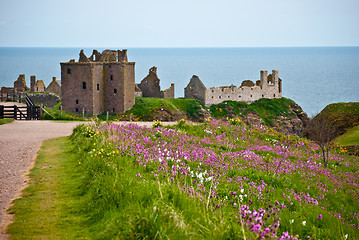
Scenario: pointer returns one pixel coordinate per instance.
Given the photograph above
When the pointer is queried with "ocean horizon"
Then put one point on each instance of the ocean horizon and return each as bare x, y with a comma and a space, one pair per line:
312, 76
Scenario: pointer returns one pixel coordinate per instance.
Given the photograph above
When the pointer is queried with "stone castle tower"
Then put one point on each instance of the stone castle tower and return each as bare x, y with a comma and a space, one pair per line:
103, 82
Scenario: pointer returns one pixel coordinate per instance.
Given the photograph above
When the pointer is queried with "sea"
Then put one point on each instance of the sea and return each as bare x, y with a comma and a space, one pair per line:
312, 76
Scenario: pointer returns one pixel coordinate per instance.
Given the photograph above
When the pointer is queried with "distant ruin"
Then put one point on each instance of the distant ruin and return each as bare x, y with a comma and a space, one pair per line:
269, 86
35, 86
103, 82
150, 86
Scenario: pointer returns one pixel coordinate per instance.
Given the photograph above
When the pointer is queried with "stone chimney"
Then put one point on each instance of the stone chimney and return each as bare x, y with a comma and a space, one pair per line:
32, 83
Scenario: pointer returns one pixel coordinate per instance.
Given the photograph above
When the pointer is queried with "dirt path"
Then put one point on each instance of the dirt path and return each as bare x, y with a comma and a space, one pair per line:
19, 143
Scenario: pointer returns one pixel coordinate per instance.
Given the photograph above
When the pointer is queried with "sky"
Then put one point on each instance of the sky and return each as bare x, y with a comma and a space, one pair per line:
178, 23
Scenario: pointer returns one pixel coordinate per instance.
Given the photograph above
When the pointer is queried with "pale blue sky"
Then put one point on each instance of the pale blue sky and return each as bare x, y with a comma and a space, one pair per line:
179, 23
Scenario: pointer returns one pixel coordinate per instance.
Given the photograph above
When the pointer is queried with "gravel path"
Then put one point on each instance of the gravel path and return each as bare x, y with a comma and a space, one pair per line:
19, 143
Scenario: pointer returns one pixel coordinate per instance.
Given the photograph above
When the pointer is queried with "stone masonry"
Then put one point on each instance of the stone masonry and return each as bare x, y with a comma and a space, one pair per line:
150, 86
103, 82
269, 86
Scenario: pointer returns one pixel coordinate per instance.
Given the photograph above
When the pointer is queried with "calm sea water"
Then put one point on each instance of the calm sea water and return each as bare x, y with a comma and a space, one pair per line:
313, 77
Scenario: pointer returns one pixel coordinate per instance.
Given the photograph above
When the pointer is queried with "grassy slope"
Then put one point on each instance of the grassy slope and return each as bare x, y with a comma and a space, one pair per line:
351, 137
267, 109
149, 109
343, 116
47, 207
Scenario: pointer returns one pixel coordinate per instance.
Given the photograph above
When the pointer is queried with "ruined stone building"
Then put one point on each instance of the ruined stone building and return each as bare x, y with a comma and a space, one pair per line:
150, 87
103, 82
269, 86
39, 86
54, 87
20, 84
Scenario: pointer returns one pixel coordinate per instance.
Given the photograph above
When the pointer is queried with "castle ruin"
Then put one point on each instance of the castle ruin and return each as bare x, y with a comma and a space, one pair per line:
103, 82
269, 86
150, 86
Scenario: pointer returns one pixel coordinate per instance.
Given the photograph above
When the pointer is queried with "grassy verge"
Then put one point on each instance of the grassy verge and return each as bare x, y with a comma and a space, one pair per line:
6, 120
47, 209
350, 138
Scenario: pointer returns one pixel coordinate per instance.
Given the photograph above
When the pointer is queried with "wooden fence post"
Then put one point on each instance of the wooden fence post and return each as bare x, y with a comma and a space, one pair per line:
15, 112
1, 111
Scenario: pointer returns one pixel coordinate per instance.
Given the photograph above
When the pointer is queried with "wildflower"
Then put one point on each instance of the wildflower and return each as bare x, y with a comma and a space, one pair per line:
304, 222
291, 221
346, 236
320, 216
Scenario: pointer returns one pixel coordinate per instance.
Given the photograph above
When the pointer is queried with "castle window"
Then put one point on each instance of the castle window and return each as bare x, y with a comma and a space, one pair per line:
262, 95
37, 89
228, 96
98, 86
222, 89
239, 96
111, 77
274, 95
77, 110
68, 71
113, 109
77, 101
212, 90
219, 97
251, 95
83, 85
212, 96
115, 91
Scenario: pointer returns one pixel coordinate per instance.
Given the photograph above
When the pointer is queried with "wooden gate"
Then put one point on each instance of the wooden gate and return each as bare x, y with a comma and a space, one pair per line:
20, 113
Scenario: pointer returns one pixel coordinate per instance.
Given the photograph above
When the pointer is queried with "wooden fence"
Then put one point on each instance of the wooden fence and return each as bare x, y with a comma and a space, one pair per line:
20, 113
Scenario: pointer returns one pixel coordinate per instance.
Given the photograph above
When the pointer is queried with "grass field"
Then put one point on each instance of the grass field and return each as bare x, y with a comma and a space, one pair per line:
214, 180
351, 137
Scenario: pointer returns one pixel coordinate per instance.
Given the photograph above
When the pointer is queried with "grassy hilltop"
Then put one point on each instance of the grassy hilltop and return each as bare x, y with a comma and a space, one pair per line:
213, 180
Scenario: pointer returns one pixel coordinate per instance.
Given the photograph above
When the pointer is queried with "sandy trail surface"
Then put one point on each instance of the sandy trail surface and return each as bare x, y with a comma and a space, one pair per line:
19, 143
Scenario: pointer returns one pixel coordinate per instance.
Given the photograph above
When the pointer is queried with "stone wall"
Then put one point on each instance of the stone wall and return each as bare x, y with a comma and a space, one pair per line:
267, 87
169, 92
54, 87
20, 84
195, 89
39, 86
150, 85
47, 99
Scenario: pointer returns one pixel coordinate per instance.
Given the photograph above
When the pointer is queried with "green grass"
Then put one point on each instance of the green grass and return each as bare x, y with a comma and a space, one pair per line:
266, 109
343, 116
6, 120
169, 109
47, 209
65, 115
351, 137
